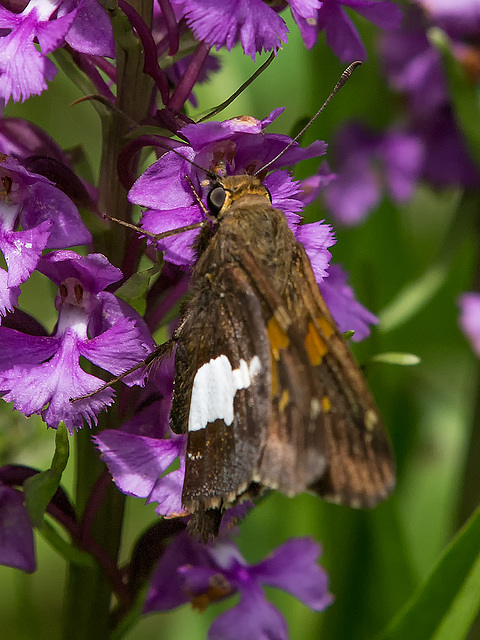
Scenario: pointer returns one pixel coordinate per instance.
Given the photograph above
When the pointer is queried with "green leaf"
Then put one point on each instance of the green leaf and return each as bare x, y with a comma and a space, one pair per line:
395, 357
134, 290
462, 90
412, 298
464, 610
443, 594
40, 488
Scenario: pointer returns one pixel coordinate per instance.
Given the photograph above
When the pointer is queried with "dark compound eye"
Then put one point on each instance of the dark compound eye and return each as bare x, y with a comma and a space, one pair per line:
216, 199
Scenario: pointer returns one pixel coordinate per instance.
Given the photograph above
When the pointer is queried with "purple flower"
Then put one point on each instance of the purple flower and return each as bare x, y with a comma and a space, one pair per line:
458, 19
192, 572
91, 31
22, 139
251, 22
317, 237
257, 25
16, 533
470, 318
342, 36
40, 374
314, 185
240, 145
349, 314
48, 217
365, 161
138, 463
447, 161
413, 66
23, 68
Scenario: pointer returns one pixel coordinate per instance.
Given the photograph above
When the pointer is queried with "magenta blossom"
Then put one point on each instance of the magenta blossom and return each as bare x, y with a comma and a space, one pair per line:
16, 532
367, 163
192, 572
24, 69
243, 146
48, 218
340, 32
41, 374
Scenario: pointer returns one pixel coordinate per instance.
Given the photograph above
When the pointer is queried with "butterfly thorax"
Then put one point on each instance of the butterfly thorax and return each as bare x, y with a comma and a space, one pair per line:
247, 222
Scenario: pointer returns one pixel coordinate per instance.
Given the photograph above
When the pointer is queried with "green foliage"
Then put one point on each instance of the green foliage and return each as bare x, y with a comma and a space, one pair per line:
40, 488
441, 597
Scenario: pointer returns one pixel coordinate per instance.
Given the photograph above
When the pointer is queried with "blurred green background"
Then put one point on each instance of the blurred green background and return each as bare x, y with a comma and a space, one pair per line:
375, 559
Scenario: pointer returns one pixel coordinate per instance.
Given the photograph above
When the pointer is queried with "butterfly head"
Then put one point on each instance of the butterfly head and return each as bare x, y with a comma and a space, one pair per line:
229, 193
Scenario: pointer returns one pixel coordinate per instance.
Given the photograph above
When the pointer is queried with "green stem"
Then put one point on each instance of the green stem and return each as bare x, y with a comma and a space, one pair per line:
89, 590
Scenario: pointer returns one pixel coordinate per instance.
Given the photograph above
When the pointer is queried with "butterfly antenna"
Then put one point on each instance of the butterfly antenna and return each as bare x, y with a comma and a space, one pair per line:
156, 355
162, 234
342, 80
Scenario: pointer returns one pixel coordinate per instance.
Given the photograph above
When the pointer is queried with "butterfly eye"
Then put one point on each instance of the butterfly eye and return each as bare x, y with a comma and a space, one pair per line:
216, 199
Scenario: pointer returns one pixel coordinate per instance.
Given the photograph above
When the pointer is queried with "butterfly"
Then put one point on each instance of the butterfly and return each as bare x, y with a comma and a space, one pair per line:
266, 386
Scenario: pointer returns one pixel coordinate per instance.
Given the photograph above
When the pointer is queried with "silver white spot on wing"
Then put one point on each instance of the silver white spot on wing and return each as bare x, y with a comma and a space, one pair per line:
214, 388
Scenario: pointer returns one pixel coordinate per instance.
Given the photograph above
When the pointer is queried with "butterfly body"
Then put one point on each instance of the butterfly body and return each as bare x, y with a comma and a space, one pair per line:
265, 384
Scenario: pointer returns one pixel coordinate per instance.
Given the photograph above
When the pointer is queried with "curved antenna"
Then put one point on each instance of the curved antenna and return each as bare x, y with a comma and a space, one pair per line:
341, 81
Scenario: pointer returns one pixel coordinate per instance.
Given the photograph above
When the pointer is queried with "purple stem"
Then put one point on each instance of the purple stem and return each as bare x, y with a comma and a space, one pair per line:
189, 78
128, 177
90, 70
95, 501
107, 67
130, 261
151, 66
171, 25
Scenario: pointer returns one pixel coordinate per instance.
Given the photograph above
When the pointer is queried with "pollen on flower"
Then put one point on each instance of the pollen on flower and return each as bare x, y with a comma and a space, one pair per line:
218, 588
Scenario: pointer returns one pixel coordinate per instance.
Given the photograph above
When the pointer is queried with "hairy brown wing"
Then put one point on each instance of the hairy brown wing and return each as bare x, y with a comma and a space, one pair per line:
325, 433
360, 471
222, 341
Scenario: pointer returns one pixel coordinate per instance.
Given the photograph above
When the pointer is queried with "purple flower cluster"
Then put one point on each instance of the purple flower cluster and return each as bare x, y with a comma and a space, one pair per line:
428, 145
82, 24
91, 323
144, 457
370, 162
258, 26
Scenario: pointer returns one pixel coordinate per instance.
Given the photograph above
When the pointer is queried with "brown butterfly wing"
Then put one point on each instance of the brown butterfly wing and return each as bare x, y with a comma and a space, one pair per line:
360, 470
226, 329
